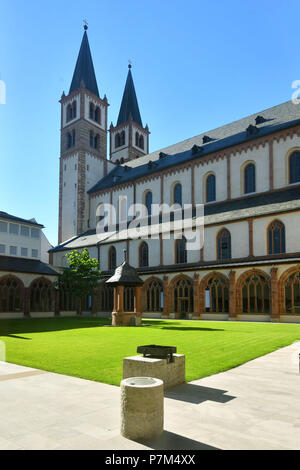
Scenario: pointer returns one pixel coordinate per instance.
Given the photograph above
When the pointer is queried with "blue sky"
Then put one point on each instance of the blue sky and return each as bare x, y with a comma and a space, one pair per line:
196, 66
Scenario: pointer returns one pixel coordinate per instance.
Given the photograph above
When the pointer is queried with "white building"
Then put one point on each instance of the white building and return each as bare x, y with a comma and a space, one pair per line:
247, 175
25, 275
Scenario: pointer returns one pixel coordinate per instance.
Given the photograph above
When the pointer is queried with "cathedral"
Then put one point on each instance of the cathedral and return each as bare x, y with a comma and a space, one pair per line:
246, 174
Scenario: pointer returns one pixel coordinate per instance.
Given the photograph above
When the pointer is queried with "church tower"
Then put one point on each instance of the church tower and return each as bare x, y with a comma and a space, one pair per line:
128, 139
83, 154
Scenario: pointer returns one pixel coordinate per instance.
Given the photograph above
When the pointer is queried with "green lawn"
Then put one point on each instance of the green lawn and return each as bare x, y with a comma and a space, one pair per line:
86, 347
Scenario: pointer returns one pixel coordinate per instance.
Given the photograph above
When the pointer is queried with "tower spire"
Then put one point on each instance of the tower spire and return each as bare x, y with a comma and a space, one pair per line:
84, 73
129, 105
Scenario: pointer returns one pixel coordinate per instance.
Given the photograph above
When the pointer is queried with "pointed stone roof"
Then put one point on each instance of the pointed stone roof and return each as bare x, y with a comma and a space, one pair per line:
129, 106
125, 275
84, 73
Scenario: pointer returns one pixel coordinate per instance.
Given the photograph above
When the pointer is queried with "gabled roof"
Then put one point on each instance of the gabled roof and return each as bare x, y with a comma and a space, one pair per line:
84, 71
12, 218
274, 119
129, 106
23, 265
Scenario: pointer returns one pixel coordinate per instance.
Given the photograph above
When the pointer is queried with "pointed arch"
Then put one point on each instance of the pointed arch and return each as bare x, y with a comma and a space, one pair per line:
41, 295
181, 295
210, 187
214, 292
249, 178
112, 258
143, 255
294, 167
276, 237
12, 293
152, 294
289, 291
224, 244
180, 251
253, 292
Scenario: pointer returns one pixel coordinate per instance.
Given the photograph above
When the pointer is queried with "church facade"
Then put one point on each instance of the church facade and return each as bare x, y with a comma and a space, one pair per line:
246, 175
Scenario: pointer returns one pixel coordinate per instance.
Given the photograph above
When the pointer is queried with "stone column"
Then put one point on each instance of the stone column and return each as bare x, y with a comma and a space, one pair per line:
196, 295
232, 296
274, 295
56, 302
137, 300
166, 310
27, 301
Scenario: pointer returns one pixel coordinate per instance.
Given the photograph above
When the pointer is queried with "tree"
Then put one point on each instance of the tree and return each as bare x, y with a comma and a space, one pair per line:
81, 277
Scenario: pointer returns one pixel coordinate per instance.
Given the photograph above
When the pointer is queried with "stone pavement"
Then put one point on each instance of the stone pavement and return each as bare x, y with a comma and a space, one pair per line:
254, 406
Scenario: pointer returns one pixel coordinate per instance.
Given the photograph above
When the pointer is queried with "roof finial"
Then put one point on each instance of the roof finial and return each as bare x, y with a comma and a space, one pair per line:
125, 255
85, 23
129, 64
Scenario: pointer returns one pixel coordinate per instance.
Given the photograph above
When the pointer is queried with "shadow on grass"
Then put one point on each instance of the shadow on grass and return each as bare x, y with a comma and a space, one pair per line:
197, 394
171, 441
182, 328
12, 327
176, 325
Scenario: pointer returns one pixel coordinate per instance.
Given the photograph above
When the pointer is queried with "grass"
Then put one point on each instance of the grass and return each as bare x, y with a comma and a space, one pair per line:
88, 348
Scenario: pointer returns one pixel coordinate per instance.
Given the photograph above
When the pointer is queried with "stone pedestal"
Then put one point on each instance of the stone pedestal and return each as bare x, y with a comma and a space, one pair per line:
171, 373
142, 408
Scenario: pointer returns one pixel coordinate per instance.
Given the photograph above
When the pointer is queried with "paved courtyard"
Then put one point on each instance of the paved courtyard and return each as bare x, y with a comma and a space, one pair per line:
254, 406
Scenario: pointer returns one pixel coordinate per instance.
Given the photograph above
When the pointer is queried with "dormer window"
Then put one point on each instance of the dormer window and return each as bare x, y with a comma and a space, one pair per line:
259, 120
206, 139
252, 130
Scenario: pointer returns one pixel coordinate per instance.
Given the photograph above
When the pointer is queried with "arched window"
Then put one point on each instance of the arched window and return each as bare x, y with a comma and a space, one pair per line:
224, 244
255, 294
141, 142
122, 138
148, 202
112, 258
249, 180
180, 251
117, 140
41, 296
91, 139
217, 295
106, 296
74, 106
177, 194
137, 139
67, 301
92, 111
96, 141
98, 115
144, 255
69, 112
11, 294
210, 188
153, 295
73, 137
292, 293
294, 165
69, 140
183, 297
276, 238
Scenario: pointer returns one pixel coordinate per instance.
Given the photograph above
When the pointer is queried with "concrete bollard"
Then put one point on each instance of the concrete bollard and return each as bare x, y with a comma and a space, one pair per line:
142, 408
